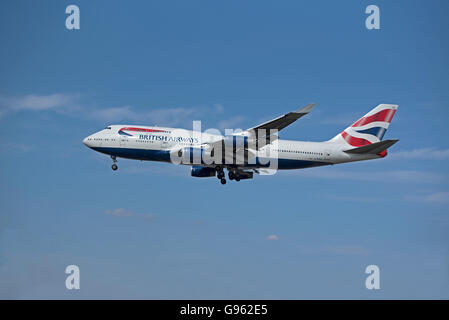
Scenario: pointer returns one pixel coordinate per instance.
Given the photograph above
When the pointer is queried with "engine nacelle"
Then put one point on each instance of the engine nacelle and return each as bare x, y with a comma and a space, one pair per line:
202, 172
245, 175
191, 155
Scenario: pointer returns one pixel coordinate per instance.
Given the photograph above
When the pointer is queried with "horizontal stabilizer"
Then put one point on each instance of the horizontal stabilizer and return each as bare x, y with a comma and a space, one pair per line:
373, 148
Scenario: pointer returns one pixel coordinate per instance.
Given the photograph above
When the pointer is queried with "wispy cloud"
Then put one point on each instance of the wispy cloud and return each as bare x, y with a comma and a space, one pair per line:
336, 249
231, 123
436, 198
348, 250
16, 146
401, 176
272, 237
123, 213
71, 105
341, 120
119, 212
112, 114
219, 108
63, 101
165, 116
57, 101
345, 198
422, 154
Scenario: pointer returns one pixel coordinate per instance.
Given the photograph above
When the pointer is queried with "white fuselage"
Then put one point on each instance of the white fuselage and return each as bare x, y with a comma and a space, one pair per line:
156, 143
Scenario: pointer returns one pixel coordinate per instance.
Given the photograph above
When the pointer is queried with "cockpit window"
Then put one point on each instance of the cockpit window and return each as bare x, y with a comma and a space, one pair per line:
107, 128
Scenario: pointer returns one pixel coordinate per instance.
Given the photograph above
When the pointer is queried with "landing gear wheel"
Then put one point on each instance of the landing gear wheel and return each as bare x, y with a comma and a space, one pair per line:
114, 160
223, 181
237, 179
231, 176
220, 175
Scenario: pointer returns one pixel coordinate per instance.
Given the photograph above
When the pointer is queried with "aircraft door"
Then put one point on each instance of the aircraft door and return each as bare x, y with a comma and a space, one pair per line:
123, 140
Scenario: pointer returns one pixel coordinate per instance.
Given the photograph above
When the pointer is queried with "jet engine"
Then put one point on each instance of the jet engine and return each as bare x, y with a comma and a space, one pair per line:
202, 172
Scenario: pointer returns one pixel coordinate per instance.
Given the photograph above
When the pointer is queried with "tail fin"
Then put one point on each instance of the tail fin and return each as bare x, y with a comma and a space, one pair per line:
368, 129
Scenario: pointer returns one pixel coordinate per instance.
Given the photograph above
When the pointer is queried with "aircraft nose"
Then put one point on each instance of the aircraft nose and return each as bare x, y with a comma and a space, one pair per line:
87, 142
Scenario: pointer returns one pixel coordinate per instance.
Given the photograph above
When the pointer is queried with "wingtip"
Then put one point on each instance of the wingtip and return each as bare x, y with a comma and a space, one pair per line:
307, 108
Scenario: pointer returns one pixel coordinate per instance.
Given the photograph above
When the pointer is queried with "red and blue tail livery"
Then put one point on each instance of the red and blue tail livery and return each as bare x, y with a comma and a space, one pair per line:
370, 128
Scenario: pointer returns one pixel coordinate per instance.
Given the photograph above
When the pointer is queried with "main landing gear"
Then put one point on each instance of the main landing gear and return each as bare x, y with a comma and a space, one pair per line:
220, 174
114, 160
233, 176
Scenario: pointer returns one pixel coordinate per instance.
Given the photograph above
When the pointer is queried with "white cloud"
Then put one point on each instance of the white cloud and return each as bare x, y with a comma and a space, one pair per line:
437, 198
423, 153
348, 250
69, 102
148, 216
17, 146
112, 114
230, 123
375, 176
33, 102
161, 116
120, 212
272, 237
340, 120
345, 198
70, 105
219, 107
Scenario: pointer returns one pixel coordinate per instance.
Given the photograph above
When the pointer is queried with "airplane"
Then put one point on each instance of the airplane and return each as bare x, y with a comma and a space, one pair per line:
243, 153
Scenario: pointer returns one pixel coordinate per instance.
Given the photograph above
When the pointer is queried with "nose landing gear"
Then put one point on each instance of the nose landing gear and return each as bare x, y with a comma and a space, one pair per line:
114, 160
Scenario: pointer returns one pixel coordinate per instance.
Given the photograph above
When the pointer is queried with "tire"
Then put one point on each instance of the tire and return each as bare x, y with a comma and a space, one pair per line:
114, 167
231, 176
237, 179
223, 181
220, 175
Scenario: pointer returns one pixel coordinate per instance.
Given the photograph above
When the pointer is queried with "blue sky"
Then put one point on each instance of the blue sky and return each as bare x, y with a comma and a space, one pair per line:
150, 230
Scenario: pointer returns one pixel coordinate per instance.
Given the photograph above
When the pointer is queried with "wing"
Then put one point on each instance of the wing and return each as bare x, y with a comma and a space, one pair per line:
260, 134
262, 131
281, 122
